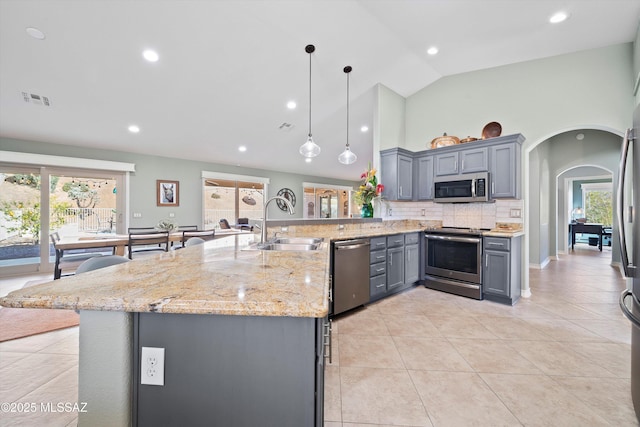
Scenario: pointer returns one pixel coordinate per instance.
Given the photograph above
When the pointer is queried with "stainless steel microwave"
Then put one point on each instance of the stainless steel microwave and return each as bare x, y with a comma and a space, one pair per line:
465, 188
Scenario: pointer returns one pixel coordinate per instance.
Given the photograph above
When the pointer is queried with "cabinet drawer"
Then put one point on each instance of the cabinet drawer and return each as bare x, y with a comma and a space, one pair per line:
377, 269
411, 239
497, 243
377, 256
378, 243
395, 240
378, 285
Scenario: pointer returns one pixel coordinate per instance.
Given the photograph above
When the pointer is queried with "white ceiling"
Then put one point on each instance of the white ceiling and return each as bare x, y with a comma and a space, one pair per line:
228, 68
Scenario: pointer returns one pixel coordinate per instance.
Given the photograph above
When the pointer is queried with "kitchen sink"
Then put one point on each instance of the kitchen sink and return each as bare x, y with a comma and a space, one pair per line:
298, 240
289, 244
289, 247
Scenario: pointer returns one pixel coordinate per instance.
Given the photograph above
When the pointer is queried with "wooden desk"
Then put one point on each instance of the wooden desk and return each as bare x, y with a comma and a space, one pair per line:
577, 227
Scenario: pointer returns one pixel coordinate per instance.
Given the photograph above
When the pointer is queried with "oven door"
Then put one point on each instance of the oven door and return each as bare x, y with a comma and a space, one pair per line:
454, 257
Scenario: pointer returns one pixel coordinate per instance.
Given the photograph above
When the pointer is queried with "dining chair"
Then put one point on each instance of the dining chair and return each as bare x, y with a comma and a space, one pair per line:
69, 259
243, 224
100, 262
202, 234
224, 224
151, 240
194, 241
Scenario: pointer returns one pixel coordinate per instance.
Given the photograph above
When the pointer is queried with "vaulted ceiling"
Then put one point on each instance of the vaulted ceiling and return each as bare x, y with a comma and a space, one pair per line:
227, 69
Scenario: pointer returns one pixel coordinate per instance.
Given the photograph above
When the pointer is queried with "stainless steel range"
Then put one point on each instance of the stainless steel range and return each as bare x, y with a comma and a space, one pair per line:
453, 261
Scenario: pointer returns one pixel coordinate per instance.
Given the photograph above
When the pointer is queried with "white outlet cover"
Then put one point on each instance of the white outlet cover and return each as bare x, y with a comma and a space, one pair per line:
152, 366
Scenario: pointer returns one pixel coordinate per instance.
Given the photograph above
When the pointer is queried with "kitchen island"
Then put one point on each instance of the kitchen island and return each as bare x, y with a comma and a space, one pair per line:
242, 332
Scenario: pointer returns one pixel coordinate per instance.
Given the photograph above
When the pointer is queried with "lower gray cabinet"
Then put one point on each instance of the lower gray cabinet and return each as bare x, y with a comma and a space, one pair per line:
395, 268
411, 259
394, 264
501, 269
231, 370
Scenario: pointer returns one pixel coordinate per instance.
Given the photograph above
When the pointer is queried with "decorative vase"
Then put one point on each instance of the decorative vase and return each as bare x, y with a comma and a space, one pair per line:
367, 210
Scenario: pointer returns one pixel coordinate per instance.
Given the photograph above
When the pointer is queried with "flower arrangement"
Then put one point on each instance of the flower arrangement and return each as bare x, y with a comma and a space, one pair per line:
166, 225
368, 190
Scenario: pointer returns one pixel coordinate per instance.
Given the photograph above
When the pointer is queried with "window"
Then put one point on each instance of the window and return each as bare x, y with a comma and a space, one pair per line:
327, 201
227, 196
597, 199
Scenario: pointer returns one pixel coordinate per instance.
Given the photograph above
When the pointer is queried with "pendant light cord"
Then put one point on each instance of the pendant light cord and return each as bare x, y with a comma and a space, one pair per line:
348, 106
310, 91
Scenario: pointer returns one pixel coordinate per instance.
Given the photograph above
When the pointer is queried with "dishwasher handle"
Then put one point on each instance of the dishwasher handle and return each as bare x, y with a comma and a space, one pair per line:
352, 244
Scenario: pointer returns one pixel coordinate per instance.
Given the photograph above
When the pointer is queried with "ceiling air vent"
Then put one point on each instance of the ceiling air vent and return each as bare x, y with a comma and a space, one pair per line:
285, 127
32, 98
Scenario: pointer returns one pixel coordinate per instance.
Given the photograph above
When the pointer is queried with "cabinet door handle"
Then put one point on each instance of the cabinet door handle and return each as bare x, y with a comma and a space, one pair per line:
486, 260
493, 187
379, 286
390, 259
401, 190
463, 165
379, 270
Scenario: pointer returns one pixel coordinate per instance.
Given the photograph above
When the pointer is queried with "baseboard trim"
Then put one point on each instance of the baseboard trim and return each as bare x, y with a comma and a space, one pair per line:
543, 264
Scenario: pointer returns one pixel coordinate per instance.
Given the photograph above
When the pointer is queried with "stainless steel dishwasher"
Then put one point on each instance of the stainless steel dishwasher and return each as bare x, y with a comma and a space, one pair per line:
350, 274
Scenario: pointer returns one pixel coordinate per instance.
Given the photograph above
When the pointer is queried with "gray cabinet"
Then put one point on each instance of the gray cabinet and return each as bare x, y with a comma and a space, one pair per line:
396, 172
505, 171
378, 267
394, 264
411, 258
247, 370
409, 176
395, 268
501, 269
463, 160
424, 184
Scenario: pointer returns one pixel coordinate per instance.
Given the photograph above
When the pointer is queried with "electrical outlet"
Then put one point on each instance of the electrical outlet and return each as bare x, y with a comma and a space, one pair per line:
152, 366
340, 226
137, 215
390, 211
172, 215
423, 212
284, 229
515, 213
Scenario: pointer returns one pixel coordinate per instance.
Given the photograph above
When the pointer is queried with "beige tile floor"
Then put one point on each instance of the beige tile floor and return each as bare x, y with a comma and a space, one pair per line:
426, 358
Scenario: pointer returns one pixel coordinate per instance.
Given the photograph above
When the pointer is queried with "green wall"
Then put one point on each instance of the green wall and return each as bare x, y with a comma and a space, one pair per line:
149, 168
541, 98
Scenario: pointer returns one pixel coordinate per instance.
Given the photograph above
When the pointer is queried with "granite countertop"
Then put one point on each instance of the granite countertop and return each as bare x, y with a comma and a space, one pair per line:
219, 277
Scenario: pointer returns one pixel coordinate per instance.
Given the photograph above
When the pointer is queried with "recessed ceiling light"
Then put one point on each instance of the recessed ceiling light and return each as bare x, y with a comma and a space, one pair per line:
364, 128
580, 136
242, 148
35, 33
432, 50
291, 105
308, 159
558, 17
150, 55
134, 129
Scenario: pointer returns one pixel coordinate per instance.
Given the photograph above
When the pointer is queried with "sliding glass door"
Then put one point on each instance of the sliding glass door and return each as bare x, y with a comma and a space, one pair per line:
231, 200
35, 202
20, 202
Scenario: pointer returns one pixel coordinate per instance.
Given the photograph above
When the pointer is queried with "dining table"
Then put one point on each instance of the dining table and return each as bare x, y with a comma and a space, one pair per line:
119, 242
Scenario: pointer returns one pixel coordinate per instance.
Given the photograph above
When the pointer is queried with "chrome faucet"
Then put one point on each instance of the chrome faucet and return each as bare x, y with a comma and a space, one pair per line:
263, 231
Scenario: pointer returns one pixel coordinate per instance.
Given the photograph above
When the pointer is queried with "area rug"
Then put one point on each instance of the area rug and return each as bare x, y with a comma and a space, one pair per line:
23, 322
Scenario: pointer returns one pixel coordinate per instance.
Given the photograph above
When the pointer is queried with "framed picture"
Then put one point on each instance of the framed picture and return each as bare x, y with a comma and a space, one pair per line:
168, 192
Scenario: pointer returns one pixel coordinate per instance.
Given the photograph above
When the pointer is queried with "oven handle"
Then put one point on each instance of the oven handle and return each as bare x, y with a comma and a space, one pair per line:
453, 238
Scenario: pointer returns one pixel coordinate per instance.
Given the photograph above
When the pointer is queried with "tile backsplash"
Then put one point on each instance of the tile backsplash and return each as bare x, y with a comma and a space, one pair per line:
476, 215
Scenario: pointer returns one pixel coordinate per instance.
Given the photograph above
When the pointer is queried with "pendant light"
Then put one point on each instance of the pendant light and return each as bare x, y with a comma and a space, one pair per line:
309, 149
347, 156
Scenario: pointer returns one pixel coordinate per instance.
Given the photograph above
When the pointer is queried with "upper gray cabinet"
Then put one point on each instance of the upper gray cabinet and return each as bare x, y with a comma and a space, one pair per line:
409, 176
463, 161
396, 174
424, 177
504, 171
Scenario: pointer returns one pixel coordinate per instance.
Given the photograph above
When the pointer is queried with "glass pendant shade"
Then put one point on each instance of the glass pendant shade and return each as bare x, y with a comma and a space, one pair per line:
347, 157
310, 149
